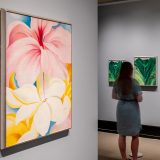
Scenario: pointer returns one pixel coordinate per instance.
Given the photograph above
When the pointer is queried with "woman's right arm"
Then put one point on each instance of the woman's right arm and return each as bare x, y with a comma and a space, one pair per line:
137, 91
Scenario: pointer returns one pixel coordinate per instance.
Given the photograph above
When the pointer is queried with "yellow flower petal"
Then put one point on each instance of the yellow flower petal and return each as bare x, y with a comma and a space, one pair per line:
11, 116
14, 132
68, 91
12, 84
69, 67
12, 139
21, 128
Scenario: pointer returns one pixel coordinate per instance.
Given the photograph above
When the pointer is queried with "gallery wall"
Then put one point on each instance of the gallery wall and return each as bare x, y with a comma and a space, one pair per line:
81, 143
127, 30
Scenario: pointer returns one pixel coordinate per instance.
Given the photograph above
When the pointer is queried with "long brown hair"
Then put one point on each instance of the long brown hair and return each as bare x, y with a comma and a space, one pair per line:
124, 80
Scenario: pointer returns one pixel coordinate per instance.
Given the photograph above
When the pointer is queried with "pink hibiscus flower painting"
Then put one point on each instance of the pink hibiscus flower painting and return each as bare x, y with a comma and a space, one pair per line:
38, 78
39, 47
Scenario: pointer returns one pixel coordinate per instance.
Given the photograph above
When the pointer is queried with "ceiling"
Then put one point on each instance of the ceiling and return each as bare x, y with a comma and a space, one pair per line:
109, 1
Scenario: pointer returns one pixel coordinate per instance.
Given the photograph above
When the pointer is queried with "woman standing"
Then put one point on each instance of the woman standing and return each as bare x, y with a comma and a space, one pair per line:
128, 93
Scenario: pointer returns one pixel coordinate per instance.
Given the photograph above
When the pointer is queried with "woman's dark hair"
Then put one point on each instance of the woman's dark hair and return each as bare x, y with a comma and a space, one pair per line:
124, 79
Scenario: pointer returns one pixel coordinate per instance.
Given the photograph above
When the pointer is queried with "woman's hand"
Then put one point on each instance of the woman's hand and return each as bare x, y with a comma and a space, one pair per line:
139, 98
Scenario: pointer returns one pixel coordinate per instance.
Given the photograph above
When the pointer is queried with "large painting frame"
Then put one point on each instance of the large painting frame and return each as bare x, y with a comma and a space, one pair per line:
65, 98
2, 79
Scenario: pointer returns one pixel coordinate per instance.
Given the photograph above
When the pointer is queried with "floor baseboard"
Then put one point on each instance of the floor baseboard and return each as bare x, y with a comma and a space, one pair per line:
146, 132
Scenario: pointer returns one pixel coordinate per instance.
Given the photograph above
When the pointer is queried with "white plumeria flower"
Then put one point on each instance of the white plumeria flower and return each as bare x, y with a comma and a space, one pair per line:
46, 106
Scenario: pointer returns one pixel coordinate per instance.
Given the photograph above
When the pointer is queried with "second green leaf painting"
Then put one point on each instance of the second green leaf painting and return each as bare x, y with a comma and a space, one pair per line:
145, 70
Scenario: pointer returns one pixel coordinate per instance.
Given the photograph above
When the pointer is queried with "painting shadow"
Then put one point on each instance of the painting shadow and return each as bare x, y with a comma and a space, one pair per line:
33, 143
111, 84
149, 88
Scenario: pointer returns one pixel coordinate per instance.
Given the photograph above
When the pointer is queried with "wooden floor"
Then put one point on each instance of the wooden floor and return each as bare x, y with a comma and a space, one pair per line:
108, 148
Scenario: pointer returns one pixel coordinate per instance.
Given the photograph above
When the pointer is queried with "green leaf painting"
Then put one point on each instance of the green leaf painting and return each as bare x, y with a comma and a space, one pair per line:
145, 71
114, 68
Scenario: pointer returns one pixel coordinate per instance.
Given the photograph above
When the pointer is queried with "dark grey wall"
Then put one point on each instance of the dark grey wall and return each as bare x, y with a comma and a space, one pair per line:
81, 144
127, 30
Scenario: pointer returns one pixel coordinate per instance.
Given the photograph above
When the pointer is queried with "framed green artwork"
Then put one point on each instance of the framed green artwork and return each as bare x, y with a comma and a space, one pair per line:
114, 67
145, 70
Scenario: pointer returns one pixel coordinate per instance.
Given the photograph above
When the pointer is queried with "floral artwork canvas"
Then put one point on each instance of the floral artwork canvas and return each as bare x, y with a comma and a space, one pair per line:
38, 78
145, 70
114, 69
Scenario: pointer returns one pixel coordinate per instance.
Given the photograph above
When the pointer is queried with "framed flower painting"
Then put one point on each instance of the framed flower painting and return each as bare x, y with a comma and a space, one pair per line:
38, 77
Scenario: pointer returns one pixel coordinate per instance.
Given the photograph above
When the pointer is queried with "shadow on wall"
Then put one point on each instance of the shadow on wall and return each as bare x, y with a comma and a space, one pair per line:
149, 88
33, 143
